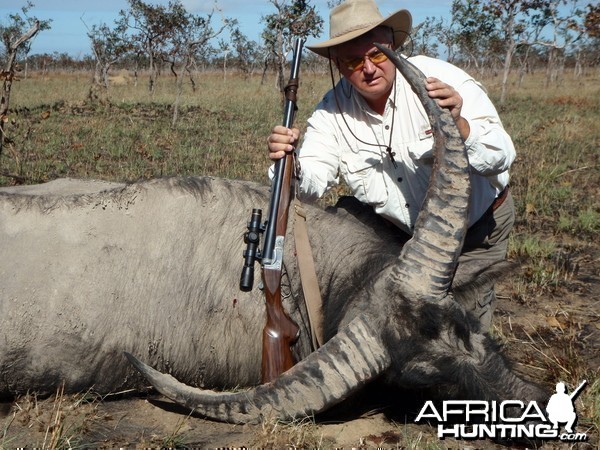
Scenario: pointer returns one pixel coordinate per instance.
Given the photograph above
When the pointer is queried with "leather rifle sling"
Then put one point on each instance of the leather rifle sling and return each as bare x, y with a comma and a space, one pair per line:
308, 276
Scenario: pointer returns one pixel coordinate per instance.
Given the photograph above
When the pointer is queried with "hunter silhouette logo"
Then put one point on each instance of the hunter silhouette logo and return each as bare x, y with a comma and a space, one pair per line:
561, 408
507, 419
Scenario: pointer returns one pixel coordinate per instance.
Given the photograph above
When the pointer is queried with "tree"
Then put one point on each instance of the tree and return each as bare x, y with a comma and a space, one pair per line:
16, 39
109, 45
563, 32
592, 21
242, 52
149, 24
557, 27
297, 19
473, 32
513, 17
186, 36
423, 37
591, 28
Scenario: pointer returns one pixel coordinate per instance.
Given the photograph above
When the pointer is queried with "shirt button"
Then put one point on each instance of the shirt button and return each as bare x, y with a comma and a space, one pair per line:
399, 179
407, 205
387, 127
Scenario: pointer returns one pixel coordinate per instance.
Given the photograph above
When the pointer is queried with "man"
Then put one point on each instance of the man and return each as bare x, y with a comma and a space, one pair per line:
560, 408
372, 129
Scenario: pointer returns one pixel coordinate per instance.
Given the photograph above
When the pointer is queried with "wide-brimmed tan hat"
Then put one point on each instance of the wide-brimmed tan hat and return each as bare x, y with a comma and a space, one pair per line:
354, 18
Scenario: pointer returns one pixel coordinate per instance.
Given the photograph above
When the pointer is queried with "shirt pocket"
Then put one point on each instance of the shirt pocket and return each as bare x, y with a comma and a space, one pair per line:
364, 175
419, 164
421, 151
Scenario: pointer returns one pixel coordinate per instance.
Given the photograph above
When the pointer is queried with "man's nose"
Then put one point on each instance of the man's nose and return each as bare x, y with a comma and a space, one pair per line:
369, 66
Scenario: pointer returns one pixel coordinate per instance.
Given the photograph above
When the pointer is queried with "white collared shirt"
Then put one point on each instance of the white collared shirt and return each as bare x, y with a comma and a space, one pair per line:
329, 149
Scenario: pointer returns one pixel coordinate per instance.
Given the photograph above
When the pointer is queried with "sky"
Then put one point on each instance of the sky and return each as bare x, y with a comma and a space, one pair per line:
71, 17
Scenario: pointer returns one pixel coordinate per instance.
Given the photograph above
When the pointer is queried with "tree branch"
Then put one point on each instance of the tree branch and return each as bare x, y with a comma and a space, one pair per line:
25, 37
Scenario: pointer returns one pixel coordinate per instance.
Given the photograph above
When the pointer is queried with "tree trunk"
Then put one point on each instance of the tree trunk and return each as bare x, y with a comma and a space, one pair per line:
98, 92
179, 84
524, 65
506, 72
152, 69
177, 101
8, 76
578, 70
264, 72
551, 67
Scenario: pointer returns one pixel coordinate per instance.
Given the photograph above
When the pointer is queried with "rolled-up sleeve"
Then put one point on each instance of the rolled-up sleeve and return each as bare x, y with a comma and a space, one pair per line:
318, 156
490, 148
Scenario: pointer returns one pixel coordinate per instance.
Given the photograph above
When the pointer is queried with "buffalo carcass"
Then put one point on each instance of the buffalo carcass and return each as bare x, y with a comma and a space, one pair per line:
405, 323
92, 269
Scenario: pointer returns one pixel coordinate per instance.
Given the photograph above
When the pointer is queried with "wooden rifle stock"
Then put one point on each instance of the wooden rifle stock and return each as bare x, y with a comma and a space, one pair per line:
280, 331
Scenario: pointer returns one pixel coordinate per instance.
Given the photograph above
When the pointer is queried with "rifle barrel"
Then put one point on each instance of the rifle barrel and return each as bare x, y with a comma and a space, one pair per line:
576, 392
280, 165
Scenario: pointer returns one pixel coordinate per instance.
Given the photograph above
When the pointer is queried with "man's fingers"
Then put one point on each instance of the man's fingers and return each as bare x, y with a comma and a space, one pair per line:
276, 155
281, 141
276, 139
280, 130
439, 89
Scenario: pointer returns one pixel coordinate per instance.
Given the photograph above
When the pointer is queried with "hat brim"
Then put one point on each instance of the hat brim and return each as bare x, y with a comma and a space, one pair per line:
400, 22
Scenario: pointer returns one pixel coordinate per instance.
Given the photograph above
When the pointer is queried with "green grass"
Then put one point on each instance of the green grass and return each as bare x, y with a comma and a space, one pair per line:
53, 131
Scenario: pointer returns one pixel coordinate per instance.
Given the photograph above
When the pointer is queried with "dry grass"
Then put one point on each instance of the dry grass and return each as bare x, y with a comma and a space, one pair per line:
549, 311
59, 423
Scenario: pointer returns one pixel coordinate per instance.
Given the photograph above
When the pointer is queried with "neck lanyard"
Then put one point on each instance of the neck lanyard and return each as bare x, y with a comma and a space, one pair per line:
388, 147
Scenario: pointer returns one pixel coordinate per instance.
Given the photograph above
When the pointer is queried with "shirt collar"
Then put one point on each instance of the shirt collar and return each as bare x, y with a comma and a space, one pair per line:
362, 104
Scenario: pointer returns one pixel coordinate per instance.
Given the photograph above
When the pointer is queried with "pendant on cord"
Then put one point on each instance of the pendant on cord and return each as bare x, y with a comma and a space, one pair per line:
391, 154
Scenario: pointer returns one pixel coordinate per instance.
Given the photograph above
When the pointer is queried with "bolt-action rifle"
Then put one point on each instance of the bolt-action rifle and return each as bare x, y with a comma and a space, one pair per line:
280, 331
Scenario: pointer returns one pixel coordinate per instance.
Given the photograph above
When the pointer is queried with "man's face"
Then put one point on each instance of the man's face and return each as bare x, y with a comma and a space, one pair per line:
373, 80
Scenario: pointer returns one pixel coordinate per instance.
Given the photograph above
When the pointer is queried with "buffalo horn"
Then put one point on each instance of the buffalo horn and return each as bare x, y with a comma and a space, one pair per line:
342, 366
428, 260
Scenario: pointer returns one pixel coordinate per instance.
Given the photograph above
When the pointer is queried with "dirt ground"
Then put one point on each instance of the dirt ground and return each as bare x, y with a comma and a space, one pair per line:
552, 335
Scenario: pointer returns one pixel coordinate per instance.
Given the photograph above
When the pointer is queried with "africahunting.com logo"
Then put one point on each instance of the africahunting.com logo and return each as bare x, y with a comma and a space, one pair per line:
509, 419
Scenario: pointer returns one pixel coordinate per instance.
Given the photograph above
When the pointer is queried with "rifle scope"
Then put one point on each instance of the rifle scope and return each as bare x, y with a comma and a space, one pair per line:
252, 252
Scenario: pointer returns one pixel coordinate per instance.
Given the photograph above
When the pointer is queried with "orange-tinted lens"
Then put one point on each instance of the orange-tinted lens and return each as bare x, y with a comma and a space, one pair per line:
354, 64
378, 57
358, 63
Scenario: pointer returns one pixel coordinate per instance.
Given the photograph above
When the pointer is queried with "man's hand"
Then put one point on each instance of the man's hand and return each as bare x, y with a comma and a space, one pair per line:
449, 98
282, 140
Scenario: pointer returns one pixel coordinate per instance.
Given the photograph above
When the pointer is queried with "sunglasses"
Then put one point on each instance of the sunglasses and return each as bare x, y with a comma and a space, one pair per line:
354, 64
